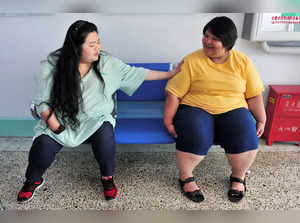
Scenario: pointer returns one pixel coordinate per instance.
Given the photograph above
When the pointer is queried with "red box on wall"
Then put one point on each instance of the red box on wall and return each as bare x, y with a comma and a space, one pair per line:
283, 114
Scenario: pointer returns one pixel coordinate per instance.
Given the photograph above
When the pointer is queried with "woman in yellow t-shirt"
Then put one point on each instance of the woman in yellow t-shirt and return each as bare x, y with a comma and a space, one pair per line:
211, 101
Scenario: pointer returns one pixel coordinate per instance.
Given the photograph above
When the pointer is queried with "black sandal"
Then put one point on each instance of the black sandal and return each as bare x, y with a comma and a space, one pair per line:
236, 195
196, 195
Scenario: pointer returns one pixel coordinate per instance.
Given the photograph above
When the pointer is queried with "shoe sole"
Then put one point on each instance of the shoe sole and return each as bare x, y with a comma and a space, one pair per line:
36, 189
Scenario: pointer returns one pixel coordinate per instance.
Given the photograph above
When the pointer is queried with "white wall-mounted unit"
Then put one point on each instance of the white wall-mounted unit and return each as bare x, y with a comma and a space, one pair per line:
271, 27
273, 30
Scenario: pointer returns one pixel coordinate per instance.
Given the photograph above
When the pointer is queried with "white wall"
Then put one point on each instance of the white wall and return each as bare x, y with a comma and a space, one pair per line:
25, 40
144, 6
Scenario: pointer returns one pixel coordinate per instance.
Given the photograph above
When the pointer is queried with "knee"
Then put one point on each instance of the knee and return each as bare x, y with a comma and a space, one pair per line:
251, 152
42, 153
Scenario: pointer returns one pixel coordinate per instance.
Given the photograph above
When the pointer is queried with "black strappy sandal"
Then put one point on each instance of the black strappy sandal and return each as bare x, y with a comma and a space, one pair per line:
195, 195
236, 195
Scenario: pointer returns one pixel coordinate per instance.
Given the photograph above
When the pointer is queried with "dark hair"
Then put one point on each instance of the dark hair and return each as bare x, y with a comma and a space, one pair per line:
66, 95
223, 28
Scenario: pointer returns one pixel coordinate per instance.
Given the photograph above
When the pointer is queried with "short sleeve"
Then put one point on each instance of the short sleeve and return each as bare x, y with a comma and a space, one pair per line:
43, 83
131, 77
254, 85
179, 84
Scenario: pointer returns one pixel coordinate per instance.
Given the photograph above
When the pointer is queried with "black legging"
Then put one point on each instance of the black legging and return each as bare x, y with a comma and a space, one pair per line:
44, 149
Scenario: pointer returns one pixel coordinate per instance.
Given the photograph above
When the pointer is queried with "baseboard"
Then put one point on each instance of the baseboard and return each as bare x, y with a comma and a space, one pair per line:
16, 127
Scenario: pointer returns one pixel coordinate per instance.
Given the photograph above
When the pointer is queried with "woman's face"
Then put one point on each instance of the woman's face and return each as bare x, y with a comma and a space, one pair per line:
213, 46
90, 48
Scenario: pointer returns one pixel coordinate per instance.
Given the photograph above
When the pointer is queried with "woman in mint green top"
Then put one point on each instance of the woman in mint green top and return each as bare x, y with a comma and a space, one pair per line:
115, 74
74, 97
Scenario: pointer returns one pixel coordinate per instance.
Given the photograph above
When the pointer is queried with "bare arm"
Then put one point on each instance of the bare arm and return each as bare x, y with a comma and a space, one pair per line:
171, 106
53, 123
257, 108
160, 75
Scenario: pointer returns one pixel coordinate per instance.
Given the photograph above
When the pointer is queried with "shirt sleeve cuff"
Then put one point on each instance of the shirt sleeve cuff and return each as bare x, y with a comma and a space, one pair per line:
41, 108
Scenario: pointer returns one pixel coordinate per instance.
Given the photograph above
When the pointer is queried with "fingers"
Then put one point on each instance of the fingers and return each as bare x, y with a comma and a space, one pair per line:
180, 63
259, 132
172, 131
260, 129
178, 67
174, 134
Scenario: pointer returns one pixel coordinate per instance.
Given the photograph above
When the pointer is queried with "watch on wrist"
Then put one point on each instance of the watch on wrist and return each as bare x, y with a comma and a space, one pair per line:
59, 129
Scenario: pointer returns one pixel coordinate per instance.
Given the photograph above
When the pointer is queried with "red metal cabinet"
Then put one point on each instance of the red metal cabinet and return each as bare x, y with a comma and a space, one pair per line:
283, 114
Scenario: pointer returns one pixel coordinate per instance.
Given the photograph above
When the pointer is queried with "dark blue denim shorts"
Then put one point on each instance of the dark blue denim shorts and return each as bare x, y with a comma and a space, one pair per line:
198, 130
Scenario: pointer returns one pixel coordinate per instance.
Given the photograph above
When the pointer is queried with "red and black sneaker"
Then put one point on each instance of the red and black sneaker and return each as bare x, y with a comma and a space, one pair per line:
28, 189
110, 188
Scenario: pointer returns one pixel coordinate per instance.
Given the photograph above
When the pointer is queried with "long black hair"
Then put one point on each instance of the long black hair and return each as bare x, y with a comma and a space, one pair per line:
223, 28
66, 95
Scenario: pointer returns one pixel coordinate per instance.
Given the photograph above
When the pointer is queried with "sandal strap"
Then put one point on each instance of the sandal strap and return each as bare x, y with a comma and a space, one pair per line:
188, 180
238, 180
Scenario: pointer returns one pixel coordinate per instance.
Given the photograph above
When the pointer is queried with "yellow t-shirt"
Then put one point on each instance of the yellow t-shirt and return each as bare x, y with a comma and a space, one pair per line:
216, 88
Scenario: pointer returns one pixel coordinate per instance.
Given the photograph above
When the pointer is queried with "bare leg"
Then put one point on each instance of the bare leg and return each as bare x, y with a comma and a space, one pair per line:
186, 163
240, 163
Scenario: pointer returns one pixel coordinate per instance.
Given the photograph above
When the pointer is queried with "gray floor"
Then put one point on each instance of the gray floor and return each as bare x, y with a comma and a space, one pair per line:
148, 180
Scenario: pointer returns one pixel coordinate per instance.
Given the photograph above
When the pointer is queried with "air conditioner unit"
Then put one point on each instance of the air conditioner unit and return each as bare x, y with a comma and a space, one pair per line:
277, 32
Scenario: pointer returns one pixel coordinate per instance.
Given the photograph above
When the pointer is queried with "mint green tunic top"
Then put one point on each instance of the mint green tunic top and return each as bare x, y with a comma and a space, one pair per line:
97, 102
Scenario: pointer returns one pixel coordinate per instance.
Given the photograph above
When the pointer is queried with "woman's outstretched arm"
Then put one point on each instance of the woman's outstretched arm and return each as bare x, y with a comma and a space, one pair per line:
160, 75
